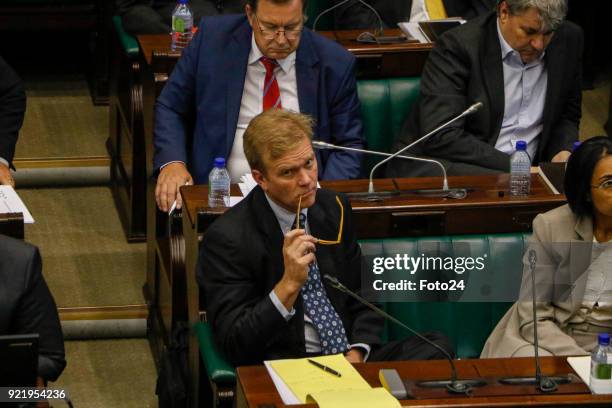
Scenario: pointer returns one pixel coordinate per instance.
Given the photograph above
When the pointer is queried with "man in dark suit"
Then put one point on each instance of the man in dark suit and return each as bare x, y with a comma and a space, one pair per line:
524, 65
155, 16
262, 277
227, 75
12, 110
355, 15
26, 305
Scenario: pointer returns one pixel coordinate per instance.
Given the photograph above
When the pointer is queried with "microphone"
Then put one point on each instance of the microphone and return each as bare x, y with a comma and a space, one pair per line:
366, 35
324, 145
453, 385
545, 384
474, 108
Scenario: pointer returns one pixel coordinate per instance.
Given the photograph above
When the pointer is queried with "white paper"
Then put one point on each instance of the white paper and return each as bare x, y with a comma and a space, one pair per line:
582, 367
11, 203
412, 29
235, 200
288, 397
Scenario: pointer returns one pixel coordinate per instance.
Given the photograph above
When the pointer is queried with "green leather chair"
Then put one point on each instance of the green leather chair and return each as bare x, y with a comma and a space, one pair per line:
467, 324
384, 106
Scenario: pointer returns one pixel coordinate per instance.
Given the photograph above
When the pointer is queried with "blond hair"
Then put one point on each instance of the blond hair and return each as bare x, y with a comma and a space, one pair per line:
272, 134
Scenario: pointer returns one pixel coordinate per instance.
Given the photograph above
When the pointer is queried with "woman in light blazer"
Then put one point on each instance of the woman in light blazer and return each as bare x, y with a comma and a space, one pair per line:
573, 245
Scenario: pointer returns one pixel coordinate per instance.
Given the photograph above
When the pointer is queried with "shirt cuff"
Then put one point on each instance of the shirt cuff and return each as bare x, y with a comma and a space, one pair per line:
364, 347
280, 307
170, 162
4, 161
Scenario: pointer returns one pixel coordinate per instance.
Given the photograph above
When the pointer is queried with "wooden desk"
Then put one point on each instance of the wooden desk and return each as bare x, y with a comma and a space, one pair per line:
255, 387
483, 211
11, 224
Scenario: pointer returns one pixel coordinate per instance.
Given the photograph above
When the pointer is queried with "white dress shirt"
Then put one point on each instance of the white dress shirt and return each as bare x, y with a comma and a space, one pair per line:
251, 104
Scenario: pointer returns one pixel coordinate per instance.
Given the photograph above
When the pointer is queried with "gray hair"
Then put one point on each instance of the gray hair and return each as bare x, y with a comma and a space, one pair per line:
552, 12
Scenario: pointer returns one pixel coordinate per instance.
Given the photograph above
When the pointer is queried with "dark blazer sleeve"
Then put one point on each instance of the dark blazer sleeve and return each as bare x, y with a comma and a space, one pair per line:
175, 106
12, 110
445, 85
36, 312
565, 130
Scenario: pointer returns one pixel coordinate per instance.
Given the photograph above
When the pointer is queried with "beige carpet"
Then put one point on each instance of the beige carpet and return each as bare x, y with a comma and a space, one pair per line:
61, 121
595, 108
86, 259
108, 374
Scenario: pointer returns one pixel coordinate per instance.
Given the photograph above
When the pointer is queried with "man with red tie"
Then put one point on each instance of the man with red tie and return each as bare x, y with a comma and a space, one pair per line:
235, 68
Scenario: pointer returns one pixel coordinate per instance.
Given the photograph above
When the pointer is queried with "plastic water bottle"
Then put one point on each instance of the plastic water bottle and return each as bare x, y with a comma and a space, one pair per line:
182, 25
219, 185
601, 366
520, 170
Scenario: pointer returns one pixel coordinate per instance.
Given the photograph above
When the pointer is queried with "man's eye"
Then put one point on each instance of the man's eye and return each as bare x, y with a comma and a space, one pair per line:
607, 184
309, 163
287, 173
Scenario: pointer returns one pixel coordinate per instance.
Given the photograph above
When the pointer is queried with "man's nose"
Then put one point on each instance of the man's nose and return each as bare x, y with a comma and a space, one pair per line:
304, 177
538, 43
280, 38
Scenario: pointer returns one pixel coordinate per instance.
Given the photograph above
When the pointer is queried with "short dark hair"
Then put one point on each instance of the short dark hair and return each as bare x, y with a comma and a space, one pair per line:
579, 171
253, 3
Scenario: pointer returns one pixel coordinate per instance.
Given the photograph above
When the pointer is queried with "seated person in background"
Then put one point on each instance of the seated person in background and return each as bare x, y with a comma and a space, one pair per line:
568, 324
239, 66
263, 280
155, 16
12, 110
26, 305
354, 15
524, 66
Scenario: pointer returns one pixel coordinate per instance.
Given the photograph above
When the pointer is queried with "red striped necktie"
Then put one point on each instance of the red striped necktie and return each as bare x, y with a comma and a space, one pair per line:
271, 93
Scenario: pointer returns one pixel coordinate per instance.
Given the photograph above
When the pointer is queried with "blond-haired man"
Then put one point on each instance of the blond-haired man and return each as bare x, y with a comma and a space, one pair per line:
262, 278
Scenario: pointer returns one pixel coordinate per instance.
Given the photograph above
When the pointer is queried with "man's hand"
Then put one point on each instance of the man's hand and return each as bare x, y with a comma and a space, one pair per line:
5, 176
298, 253
354, 355
561, 157
171, 178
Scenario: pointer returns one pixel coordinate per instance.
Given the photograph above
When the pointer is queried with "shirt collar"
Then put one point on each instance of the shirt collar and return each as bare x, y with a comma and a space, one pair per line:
507, 50
285, 218
255, 54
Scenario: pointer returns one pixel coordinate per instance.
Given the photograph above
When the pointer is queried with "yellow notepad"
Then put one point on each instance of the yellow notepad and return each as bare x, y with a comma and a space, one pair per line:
303, 378
373, 397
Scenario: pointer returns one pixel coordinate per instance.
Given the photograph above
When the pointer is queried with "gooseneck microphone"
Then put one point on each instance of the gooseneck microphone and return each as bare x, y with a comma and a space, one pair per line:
342, 3
474, 108
453, 385
324, 145
545, 384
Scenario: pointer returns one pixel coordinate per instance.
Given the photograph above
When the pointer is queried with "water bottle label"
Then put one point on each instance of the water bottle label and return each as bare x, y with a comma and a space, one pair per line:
603, 371
178, 24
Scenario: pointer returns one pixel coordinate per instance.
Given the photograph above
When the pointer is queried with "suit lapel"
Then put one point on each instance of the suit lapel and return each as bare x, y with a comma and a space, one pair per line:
492, 69
554, 67
306, 73
580, 259
270, 231
234, 72
322, 226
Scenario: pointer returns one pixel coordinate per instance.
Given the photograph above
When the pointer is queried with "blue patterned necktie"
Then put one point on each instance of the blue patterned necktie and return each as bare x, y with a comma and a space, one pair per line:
320, 310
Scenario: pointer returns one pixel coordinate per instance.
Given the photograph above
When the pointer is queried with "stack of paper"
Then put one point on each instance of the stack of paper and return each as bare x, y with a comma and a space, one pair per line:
299, 382
11, 203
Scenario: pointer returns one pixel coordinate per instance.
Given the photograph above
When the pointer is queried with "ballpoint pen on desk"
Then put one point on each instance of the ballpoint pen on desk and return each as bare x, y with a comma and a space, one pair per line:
173, 206
324, 368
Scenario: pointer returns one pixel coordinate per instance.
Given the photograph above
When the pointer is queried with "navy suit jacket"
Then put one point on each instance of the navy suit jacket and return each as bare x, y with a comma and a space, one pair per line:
197, 112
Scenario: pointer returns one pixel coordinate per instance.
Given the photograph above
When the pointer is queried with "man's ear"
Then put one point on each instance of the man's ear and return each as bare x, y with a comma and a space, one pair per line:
259, 178
248, 10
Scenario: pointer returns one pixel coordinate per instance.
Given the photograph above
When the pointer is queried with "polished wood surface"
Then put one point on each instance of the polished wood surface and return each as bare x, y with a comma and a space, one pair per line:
256, 389
373, 60
11, 224
488, 207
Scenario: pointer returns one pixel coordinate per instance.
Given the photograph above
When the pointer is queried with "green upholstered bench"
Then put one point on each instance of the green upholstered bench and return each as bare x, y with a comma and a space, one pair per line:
384, 106
467, 324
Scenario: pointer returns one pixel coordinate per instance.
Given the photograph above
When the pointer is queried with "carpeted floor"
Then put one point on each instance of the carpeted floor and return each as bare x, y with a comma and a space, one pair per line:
86, 260
109, 373
61, 121
595, 108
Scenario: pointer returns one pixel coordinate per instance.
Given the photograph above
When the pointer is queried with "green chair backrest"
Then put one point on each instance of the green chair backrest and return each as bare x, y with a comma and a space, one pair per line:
385, 103
467, 324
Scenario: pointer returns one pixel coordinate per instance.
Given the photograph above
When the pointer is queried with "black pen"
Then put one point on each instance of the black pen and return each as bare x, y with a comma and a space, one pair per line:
324, 367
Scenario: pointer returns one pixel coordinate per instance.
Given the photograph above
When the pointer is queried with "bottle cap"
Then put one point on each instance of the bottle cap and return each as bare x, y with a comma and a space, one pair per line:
183, 1
575, 146
219, 162
521, 145
604, 339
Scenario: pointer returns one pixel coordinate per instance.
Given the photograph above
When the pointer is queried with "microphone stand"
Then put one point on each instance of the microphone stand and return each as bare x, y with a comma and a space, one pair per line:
457, 193
475, 107
545, 384
453, 385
